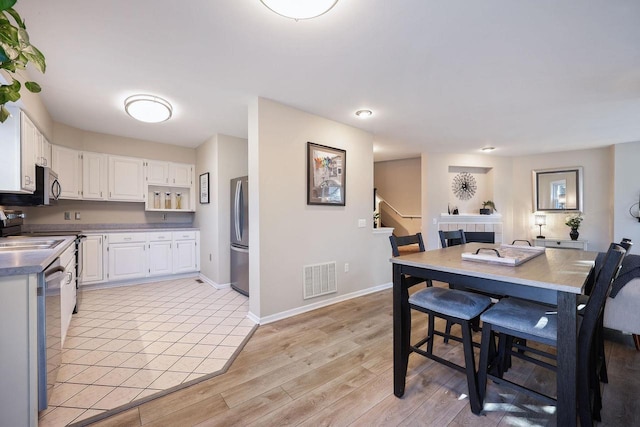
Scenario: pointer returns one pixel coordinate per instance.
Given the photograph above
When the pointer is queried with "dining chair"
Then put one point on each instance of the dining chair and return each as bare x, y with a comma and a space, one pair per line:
452, 238
582, 301
513, 317
403, 241
455, 306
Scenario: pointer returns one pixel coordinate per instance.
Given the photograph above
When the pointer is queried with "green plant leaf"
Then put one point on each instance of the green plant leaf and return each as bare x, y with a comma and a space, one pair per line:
33, 55
6, 4
4, 114
16, 16
32, 87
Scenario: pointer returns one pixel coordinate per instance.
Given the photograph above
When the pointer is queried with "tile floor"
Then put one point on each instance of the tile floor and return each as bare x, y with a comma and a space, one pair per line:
130, 342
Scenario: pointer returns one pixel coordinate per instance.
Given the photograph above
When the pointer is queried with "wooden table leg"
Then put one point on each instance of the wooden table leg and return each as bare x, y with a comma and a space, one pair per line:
401, 331
567, 359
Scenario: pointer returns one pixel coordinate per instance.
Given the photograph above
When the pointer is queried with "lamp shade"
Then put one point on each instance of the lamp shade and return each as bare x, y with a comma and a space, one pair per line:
148, 108
541, 220
300, 9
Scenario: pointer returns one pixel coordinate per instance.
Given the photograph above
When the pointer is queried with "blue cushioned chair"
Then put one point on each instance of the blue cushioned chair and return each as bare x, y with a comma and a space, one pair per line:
514, 318
454, 306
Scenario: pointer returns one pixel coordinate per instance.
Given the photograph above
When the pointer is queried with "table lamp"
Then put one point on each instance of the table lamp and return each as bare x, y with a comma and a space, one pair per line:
540, 221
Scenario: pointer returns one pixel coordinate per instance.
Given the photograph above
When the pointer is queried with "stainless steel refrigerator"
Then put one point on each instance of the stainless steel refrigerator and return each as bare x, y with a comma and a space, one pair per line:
240, 234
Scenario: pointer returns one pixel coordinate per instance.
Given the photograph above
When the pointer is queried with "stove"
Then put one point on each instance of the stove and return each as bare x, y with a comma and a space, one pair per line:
11, 222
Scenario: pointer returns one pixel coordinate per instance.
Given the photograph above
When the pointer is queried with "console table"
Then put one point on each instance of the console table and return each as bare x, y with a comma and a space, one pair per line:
562, 244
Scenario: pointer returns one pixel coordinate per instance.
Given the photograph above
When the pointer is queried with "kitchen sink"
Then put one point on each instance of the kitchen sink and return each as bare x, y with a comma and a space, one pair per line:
28, 245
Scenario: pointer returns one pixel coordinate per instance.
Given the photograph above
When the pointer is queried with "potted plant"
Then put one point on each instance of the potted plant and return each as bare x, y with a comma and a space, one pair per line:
488, 207
15, 53
574, 222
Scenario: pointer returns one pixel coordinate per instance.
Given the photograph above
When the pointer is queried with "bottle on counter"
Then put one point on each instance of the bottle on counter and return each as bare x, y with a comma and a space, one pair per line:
178, 200
156, 200
167, 200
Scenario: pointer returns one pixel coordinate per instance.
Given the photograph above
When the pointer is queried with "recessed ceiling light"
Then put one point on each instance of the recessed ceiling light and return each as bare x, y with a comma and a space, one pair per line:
148, 108
487, 149
298, 9
364, 113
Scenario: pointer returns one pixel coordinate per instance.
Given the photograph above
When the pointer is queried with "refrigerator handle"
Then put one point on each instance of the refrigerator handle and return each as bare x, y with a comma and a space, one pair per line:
238, 208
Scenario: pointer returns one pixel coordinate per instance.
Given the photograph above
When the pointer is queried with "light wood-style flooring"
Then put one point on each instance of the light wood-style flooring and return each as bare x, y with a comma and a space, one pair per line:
333, 366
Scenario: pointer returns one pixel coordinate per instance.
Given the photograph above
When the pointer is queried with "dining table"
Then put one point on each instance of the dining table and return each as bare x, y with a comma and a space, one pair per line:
556, 276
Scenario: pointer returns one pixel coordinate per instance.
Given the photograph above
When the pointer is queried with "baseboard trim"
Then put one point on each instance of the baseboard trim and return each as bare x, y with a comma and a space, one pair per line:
212, 283
293, 312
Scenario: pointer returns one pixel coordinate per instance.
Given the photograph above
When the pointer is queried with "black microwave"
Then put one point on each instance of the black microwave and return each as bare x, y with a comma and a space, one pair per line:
47, 191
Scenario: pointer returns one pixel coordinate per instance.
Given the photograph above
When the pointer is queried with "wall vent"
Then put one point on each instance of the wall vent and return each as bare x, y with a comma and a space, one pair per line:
319, 279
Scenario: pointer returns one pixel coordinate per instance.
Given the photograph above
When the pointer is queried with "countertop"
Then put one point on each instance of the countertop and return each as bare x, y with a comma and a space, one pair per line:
18, 262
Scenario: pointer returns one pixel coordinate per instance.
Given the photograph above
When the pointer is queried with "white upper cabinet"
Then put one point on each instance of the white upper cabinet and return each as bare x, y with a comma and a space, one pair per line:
43, 151
29, 136
126, 179
157, 172
169, 174
67, 163
94, 176
18, 161
180, 174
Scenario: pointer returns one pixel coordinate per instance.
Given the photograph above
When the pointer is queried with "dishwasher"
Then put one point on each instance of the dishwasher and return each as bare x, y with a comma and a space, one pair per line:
49, 330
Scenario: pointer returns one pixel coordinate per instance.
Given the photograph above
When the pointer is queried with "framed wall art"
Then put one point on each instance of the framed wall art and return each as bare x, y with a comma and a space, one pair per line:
204, 188
326, 173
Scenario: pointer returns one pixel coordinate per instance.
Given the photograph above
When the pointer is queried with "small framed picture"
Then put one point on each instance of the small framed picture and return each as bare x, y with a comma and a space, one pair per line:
204, 188
326, 173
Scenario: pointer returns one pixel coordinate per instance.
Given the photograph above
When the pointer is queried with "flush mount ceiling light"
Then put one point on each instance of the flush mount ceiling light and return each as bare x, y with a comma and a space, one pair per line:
300, 9
364, 113
148, 108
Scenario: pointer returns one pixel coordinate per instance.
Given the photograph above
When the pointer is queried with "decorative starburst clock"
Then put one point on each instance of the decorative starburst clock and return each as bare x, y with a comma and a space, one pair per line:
464, 186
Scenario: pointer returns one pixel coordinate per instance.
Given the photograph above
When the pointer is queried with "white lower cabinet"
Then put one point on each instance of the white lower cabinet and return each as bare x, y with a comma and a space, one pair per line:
185, 251
67, 289
111, 257
93, 248
160, 253
127, 256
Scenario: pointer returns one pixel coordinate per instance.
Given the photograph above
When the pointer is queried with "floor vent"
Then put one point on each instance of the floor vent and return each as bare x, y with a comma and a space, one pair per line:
319, 279
199, 281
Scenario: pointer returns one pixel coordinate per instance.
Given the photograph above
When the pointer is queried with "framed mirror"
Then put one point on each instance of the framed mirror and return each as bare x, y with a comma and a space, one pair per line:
558, 190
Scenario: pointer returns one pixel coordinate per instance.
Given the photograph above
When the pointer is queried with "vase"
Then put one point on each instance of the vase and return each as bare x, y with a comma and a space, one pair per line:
574, 234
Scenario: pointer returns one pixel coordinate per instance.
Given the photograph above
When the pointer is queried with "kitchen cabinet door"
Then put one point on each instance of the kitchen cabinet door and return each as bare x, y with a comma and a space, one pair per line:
127, 260
67, 163
186, 251
157, 172
67, 290
126, 179
29, 152
94, 176
93, 259
160, 258
43, 147
18, 160
180, 174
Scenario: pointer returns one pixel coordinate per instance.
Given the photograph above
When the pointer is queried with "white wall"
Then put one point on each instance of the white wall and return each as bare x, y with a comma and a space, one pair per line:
286, 233
398, 182
223, 157
495, 184
512, 192
626, 193
598, 196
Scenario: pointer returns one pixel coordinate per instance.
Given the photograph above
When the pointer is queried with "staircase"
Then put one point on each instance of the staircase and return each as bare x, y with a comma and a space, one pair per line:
403, 225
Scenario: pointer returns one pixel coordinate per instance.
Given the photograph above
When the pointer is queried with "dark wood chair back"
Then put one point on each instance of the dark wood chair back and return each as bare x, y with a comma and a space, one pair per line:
398, 241
452, 238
